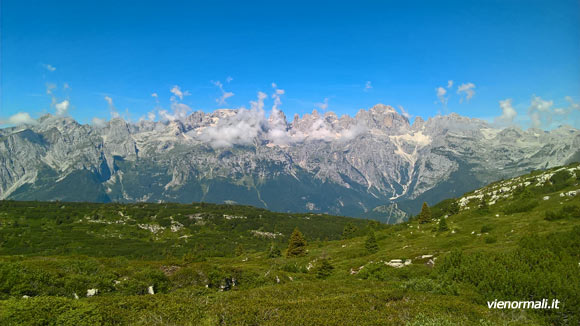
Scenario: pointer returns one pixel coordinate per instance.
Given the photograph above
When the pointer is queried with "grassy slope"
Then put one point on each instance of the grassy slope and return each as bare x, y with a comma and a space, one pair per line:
270, 291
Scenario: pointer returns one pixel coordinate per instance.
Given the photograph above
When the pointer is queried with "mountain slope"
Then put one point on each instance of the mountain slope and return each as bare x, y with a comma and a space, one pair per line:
318, 163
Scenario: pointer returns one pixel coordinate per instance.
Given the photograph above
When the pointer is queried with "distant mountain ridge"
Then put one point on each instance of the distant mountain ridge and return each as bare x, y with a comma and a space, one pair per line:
317, 163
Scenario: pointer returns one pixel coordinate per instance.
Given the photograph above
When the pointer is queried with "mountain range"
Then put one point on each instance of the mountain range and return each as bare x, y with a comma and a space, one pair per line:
375, 164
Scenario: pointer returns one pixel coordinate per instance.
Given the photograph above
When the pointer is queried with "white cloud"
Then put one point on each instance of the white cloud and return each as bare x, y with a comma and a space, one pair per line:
225, 95
245, 127
508, 112
109, 100
239, 129
62, 107
368, 85
48, 67
19, 118
466, 90
324, 105
176, 90
112, 109
572, 104
99, 123
441, 95
154, 95
179, 112
540, 112
404, 112
50, 88
538, 104
276, 96
449, 83
229, 79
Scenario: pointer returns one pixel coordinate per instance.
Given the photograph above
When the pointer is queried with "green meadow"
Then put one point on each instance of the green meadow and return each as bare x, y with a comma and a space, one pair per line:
65, 263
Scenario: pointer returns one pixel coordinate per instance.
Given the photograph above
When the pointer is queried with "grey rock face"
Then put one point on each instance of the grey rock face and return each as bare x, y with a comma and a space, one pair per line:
319, 162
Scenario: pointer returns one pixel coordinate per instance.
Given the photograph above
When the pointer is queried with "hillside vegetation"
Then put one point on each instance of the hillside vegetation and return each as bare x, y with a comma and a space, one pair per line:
203, 264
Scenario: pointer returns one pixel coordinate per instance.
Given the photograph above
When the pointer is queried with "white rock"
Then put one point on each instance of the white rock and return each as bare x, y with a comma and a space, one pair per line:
426, 256
546, 197
150, 289
92, 292
395, 264
75, 296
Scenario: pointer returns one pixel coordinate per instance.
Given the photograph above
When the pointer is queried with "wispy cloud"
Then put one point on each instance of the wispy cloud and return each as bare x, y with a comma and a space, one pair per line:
441, 95
112, 109
539, 112
99, 123
368, 86
508, 112
225, 95
466, 91
449, 83
48, 67
17, 119
324, 105
276, 96
176, 90
50, 87
404, 112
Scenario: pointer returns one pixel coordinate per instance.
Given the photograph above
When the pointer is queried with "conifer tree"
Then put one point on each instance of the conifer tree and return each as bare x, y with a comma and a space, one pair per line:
371, 244
453, 208
296, 244
425, 215
443, 224
324, 269
348, 231
239, 250
274, 252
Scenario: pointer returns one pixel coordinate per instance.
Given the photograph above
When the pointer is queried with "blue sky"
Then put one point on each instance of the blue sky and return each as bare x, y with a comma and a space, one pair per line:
353, 54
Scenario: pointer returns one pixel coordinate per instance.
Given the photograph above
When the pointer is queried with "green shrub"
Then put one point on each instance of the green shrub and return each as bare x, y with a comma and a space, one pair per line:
520, 206
568, 211
490, 239
540, 267
349, 230
323, 269
486, 228
443, 225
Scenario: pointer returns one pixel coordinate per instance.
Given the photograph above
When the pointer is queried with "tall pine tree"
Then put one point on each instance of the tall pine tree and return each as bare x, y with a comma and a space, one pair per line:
349, 230
443, 225
296, 244
371, 244
425, 215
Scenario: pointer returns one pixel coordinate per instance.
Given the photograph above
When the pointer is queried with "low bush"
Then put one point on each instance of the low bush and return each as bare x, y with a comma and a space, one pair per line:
520, 206
568, 211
